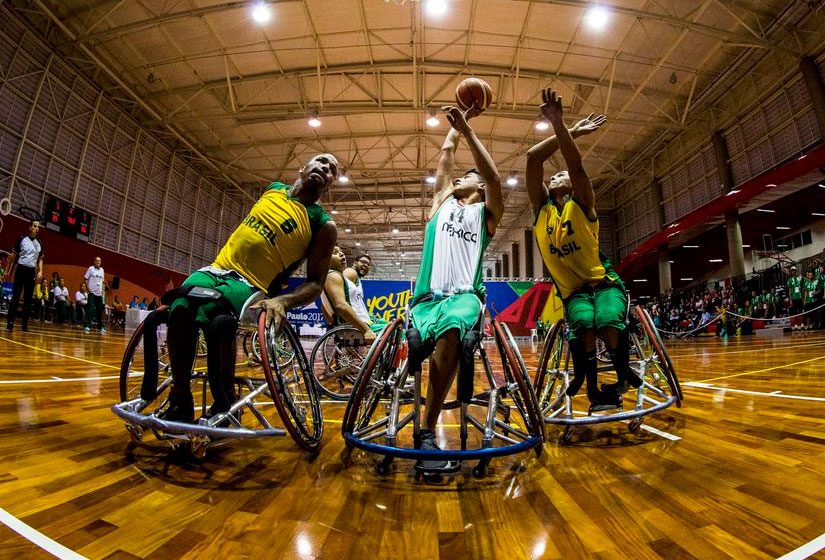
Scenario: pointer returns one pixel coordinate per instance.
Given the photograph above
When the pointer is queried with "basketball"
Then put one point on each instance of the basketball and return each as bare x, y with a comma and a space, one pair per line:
474, 92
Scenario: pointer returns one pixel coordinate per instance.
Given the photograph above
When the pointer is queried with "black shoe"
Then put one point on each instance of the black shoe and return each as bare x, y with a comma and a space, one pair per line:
618, 388
179, 412
428, 443
606, 402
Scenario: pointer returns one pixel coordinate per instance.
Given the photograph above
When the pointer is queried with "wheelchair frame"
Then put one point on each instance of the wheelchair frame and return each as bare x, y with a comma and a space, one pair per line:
347, 357
383, 378
141, 415
552, 379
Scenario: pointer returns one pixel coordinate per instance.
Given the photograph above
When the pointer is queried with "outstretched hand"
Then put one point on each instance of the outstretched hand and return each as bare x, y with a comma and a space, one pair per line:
551, 107
589, 124
457, 118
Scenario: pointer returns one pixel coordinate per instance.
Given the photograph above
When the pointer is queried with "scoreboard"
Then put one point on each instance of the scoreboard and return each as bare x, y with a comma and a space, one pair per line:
67, 219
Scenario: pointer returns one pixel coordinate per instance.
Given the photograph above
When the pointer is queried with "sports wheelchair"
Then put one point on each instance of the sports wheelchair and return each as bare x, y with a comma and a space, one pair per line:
280, 377
382, 403
336, 359
649, 360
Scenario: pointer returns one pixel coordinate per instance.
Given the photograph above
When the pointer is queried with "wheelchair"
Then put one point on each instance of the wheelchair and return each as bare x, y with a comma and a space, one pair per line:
383, 402
649, 360
336, 359
145, 387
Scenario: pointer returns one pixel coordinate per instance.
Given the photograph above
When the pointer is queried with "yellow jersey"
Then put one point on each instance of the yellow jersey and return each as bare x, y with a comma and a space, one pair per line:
272, 241
569, 245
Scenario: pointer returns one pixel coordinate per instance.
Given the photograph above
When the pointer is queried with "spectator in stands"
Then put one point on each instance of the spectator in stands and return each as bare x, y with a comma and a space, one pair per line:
26, 262
795, 296
135, 303
812, 294
118, 311
41, 298
61, 301
81, 300
95, 280
154, 305
143, 304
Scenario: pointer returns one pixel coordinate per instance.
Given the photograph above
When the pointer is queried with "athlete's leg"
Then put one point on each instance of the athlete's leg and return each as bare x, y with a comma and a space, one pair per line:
181, 337
221, 344
443, 368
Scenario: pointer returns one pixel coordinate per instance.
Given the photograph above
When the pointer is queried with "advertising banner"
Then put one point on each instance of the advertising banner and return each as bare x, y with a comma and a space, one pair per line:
518, 304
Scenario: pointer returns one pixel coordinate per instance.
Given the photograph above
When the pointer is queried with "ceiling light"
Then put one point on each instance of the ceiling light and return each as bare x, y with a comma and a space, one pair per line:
335, 211
766, 210
512, 180
542, 125
261, 13
343, 178
395, 230
671, 262
770, 185
715, 260
314, 122
433, 120
347, 230
398, 262
817, 214
640, 279
782, 227
596, 17
357, 243
746, 246
690, 246
685, 279
430, 178
821, 185
436, 8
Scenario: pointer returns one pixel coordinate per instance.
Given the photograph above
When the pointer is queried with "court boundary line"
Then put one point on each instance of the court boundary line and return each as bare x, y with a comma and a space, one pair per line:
37, 538
760, 370
806, 550
58, 353
699, 385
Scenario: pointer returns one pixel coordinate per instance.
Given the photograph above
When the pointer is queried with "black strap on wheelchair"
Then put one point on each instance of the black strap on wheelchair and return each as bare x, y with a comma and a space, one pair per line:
199, 296
418, 350
466, 361
149, 387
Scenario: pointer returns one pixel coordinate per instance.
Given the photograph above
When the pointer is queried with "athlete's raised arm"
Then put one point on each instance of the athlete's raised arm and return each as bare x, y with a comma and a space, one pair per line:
493, 202
544, 150
551, 109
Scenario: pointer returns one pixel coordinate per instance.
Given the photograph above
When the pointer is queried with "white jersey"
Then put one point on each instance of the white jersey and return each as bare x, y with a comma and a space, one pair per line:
94, 280
356, 299
454, 243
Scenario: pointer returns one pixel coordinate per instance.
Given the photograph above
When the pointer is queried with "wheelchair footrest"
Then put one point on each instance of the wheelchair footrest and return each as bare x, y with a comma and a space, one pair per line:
184, 428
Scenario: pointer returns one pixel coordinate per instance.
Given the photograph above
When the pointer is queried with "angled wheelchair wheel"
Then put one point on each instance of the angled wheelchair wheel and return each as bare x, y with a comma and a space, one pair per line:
661, 360
516, 372
546, 379
132, 366
336, 360
291, 386
371, 383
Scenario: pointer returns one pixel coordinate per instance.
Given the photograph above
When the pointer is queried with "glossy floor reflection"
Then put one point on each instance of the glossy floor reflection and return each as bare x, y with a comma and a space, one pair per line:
742, 476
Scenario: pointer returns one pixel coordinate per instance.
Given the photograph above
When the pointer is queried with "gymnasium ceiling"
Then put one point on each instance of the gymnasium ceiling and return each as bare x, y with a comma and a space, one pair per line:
238, 93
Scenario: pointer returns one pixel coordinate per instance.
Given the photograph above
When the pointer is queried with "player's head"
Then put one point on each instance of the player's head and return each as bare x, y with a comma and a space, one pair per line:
34, 228
338, 260
809, 275
469, 184
362, 264
319, 173
97, 262
560, 186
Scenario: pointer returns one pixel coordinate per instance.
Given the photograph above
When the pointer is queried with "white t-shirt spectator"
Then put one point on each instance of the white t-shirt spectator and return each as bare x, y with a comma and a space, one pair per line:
80, 297
94, 280
61, 294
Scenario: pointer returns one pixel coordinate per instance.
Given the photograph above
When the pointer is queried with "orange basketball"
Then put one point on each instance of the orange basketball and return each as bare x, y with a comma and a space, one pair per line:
474, 92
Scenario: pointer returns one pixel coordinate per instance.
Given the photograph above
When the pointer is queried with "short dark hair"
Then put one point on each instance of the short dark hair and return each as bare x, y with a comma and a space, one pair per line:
474, 170
359, 256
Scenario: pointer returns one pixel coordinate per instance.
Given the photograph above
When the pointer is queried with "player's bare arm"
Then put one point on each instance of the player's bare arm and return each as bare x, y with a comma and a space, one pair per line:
551, 109
494, 204
317, 266
544, 150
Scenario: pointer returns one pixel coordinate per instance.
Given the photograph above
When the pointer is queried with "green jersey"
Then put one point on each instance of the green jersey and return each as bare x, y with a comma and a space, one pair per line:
795, 288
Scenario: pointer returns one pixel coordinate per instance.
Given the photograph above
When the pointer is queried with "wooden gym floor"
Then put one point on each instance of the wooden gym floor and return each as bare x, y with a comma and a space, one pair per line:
737, 472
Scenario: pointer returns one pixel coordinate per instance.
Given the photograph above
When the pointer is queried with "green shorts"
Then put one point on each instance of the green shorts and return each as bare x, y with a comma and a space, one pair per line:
595, 307
232, 288
434, 318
